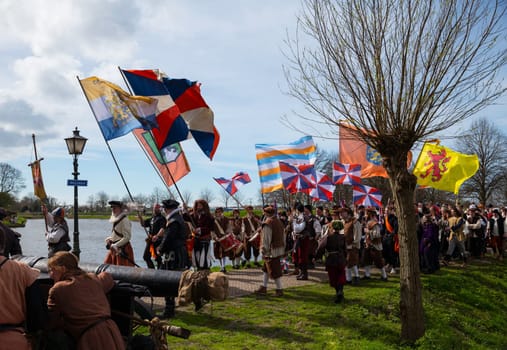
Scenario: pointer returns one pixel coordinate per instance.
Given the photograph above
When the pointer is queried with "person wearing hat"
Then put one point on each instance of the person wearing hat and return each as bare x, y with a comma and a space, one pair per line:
57, 230
251, 224
476, 227
373, 245
272, 247
236, 225
428, 245
221, 229
154, 225
353, 231
495, 231
120, 250
456, 236
12, 245
173, 246
16, 279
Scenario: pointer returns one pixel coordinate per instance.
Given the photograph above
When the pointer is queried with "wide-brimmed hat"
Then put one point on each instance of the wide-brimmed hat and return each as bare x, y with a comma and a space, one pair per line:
269, 210
115, 204
58, 212
170, 204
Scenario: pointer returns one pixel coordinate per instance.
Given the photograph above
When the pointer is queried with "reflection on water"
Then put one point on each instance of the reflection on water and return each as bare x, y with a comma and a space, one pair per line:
92, 233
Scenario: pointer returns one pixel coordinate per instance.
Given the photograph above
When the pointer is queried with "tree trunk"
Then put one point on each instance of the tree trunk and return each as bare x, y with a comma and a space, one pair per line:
411, 307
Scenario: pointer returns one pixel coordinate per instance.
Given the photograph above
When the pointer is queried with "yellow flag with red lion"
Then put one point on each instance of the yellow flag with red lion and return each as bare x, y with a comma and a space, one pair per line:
444, 169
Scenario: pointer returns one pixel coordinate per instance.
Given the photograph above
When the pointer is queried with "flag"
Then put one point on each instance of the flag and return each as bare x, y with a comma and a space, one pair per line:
169, 161
232, 185
117, 112
354, 151
444, 169
297, 178
301, 151
324, 188
181, 109
38, 185
366, 195
346, 174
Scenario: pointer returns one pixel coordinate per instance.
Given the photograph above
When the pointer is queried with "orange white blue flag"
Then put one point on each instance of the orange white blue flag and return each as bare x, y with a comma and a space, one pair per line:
444, 169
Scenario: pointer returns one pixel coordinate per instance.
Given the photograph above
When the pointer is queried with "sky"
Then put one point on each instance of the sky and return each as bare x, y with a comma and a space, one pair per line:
233, 48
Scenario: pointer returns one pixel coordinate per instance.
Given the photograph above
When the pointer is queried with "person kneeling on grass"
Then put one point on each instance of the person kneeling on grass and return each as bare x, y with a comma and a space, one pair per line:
334, 246
272, 247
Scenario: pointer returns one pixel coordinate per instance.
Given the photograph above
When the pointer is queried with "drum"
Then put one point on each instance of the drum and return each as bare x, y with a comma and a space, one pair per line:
229, 242
255, 240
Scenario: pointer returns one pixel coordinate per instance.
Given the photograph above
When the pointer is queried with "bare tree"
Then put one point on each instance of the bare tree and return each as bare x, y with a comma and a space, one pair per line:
399, 71
207, 195
102, 199
485, 139
11, 180
187, 197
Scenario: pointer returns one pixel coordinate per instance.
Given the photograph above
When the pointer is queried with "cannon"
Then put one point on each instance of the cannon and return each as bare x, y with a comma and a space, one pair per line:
125, 298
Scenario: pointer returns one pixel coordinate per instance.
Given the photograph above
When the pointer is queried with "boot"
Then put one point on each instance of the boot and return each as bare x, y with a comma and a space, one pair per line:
304, 275
261, 291
296, 272
339, 295
279, 293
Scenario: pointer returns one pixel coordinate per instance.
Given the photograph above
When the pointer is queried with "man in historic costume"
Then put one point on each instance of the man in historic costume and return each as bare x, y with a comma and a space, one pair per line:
251, 224
334, 246
476, 227
16, 279
173, 245
12, 245
154, 225
305, 227
315, 234
495, 231
57, 233
272, 248
353, 231
120, 250
203, 224
456, 237
221, 229
236, 225
428, 246
373, 245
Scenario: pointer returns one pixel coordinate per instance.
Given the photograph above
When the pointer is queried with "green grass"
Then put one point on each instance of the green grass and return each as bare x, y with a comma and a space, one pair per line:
464, 309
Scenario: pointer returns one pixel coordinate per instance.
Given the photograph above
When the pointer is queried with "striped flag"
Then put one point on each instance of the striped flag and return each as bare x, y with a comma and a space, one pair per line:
232, 185
297, 178
268, 156
346, 174
182, 111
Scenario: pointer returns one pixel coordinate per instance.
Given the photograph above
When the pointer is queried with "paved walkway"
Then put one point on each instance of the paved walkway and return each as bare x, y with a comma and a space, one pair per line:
245, 281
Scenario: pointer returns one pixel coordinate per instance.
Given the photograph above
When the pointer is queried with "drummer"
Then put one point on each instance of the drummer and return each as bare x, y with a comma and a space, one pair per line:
236, 225
251, 224
220, 230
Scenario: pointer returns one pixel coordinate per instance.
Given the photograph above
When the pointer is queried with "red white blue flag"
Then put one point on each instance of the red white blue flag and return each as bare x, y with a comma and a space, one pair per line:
298, 178
182, 112
346, 174
367, 196
324, 188
232, 185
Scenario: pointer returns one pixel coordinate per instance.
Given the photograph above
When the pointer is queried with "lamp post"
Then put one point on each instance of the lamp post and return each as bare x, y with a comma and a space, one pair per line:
75, 145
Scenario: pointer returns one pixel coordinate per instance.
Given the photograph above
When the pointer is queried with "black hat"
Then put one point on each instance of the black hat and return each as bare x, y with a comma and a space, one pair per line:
309, 207
170, 204
115, 204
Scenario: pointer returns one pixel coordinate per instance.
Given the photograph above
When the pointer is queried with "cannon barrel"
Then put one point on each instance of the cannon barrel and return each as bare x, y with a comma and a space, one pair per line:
159, 282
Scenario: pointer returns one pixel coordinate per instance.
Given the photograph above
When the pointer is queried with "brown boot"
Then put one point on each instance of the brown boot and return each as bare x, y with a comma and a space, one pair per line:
279, 293
261, 291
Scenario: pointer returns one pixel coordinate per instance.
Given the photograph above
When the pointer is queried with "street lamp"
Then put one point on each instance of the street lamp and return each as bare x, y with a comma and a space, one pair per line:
75, 145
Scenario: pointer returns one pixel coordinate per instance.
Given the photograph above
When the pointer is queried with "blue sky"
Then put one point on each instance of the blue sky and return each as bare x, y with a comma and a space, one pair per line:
234, 48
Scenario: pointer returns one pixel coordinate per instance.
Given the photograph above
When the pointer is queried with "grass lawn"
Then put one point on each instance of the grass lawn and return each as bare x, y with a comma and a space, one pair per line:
464, 308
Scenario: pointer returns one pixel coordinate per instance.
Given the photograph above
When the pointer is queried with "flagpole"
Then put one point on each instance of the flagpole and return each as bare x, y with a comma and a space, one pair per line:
36, 159
237, 201
167, 167
107, 143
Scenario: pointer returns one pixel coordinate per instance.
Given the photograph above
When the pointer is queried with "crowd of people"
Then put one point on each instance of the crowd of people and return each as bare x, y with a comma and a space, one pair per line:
344, 239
